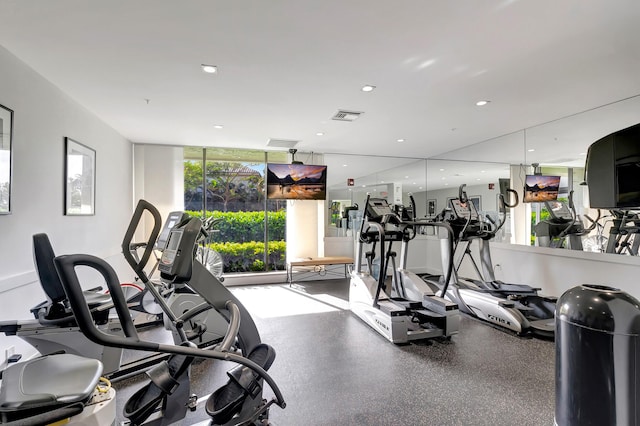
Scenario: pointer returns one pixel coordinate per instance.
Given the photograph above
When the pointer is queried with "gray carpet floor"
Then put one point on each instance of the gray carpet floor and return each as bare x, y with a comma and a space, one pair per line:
334, 370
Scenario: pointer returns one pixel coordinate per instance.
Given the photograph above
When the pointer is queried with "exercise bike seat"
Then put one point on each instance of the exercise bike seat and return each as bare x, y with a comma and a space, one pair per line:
55, 309
243, 382
48, 388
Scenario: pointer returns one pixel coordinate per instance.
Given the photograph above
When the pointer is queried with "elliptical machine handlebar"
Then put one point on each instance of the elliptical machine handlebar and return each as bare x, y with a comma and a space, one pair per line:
572, 209
503, 205
413, 206
139, 265
503, 202
462, 194
594, 222
366, 203
66, 267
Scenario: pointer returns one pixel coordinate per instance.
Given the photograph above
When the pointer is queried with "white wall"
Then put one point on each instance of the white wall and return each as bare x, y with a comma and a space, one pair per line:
43, 116
303, 226
159, 179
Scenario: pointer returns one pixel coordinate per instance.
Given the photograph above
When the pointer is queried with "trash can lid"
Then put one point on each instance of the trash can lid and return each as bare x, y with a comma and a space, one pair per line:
601, 308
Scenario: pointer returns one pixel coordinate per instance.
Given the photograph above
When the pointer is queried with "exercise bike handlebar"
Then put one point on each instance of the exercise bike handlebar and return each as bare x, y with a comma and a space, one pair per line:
66, 265
139, 265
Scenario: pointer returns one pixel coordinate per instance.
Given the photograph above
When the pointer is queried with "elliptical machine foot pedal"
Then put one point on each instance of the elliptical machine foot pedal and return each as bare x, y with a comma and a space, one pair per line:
243, 382
164, 379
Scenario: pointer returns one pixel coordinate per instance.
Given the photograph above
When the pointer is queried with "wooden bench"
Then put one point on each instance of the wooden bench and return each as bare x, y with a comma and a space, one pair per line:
318, 266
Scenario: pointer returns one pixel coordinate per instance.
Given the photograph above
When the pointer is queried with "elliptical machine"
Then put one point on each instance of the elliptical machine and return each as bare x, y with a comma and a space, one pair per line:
563, 229
514, 307
405, 316
166, 398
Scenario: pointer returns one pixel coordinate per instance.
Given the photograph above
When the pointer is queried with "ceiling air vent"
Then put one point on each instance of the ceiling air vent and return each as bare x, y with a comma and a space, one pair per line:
282, 143
344, 115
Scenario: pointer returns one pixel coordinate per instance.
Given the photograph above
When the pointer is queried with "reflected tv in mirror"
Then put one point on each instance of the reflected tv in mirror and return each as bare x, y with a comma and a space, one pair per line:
538, 188
296, 182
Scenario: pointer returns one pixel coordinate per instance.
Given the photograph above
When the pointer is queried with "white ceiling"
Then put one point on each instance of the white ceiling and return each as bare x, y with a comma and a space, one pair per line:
287, 66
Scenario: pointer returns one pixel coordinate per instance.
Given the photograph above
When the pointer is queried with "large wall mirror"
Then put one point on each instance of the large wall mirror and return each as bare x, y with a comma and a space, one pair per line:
557, 148
351, 177
554, 149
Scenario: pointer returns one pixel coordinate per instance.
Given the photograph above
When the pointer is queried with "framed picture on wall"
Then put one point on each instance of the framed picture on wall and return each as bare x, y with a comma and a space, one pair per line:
80, 179
432, 205
6, 128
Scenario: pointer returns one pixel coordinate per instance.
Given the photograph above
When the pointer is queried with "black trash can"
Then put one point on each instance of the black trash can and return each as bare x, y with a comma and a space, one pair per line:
597, 357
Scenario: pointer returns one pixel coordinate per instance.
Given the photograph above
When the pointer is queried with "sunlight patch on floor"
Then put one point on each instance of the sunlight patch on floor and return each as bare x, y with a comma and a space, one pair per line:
274, 301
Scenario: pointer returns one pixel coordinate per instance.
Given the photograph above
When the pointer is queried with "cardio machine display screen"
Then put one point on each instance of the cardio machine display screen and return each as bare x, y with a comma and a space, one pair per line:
377, 208
172, 220
464, 210
628, 184
170, 251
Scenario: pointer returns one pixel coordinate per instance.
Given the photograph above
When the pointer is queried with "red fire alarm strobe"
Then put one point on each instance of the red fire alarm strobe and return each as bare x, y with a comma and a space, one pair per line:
492, 185
351, 182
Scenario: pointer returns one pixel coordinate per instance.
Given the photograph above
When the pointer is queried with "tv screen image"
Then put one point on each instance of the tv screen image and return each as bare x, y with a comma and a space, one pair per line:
538, 188
296, 182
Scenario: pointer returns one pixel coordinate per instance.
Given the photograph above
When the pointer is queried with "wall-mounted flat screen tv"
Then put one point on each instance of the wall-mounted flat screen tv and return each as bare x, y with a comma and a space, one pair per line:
296, 182
538, 188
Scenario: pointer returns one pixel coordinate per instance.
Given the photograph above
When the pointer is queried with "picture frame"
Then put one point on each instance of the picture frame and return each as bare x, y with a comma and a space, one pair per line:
6, 158
80, 179
432, 206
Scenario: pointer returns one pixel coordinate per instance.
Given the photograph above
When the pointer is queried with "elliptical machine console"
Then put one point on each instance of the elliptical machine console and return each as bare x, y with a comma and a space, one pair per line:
177, 256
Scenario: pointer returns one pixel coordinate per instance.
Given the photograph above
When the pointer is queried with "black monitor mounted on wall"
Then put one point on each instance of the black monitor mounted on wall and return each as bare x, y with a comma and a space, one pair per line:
612, 170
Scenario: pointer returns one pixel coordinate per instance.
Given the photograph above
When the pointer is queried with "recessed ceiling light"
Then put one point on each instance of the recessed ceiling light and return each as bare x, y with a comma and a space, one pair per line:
364, 186
400, 140
344, 165
413, 183
419, 187
530, 150
319, 134
368, 88
211, 69
446, 184
483, 171
406, 177
442, 170
482, 103
583, 153
218, 126
443, 178
477, 178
